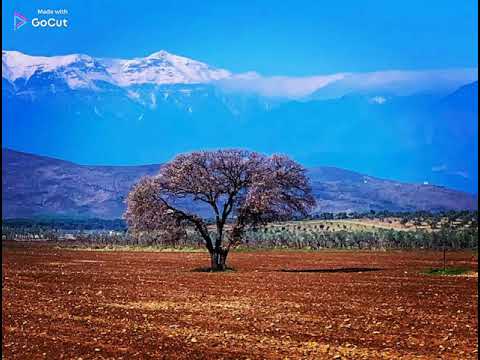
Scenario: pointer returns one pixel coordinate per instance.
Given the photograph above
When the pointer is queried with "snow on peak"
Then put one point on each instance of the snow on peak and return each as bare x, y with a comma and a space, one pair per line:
77, 70
164, 68
159, 54
82, 70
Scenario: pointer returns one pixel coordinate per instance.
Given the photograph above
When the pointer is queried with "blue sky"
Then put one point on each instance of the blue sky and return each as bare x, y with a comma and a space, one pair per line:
293, 38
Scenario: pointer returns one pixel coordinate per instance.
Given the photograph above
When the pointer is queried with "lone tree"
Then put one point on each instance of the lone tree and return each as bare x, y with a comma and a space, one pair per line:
243, 189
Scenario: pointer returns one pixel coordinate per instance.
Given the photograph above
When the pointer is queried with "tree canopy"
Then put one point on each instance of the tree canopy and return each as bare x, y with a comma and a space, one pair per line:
242, 188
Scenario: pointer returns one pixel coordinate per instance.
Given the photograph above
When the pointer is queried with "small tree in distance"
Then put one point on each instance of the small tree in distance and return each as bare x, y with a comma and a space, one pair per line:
242, 188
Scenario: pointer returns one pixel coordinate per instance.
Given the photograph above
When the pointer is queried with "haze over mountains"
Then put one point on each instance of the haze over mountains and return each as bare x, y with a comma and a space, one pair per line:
41, 186
401, 125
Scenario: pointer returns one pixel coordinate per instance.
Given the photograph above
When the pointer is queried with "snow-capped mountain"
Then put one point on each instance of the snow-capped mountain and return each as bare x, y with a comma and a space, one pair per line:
76, 71
146, 110
83, 71
162, 68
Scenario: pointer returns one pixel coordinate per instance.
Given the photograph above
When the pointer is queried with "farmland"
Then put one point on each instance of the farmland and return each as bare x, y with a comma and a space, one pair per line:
60, 303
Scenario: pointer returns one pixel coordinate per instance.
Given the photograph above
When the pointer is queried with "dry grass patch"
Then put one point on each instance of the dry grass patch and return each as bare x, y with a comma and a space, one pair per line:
275, 344
189, 305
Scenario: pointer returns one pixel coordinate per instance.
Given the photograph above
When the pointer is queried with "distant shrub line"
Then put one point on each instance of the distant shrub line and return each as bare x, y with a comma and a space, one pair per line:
366, 239
452, 230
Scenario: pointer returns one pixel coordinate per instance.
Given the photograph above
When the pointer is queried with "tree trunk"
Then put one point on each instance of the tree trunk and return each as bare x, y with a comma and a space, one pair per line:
218, 259
444, 259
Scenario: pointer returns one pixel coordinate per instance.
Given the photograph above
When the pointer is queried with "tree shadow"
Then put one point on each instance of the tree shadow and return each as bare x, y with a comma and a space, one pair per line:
209, 270
338, 270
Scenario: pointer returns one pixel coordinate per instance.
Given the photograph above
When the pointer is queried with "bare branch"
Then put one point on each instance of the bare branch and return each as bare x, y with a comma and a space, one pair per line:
248, 186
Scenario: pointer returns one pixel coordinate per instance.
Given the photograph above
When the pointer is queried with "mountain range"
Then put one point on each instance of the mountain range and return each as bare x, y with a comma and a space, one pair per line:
42, 186
78, 71
403, 126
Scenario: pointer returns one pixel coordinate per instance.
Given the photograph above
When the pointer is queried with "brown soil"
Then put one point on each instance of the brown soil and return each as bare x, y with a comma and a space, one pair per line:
133, 305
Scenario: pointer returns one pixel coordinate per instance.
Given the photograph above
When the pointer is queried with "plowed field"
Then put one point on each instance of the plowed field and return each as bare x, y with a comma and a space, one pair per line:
275, 305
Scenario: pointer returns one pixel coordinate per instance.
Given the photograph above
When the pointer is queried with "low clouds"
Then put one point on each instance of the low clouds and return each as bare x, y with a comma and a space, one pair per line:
378, 100
393, 82
438, 168
278, 86
443, 168
463, 174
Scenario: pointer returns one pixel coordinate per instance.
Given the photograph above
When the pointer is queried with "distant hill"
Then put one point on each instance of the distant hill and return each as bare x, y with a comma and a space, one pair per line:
36, 185
165, 104
41, 186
